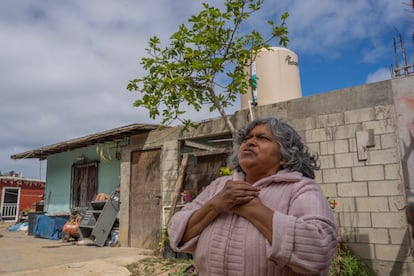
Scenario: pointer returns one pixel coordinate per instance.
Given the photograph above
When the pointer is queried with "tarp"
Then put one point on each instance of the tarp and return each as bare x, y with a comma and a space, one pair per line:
22, 226
49, 227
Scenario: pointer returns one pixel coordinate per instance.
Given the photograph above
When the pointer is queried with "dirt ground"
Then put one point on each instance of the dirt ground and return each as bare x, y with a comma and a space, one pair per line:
23, 254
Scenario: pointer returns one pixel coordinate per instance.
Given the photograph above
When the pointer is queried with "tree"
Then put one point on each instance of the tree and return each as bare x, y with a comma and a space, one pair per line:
204, 63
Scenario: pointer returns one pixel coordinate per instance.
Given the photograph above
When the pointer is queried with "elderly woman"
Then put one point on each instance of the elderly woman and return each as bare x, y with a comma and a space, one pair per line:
270, 218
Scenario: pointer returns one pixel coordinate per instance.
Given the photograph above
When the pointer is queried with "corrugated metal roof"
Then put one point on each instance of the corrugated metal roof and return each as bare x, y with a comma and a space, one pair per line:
100, 137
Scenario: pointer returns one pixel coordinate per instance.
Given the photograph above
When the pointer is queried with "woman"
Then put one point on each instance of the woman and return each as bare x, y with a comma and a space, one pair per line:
270, 218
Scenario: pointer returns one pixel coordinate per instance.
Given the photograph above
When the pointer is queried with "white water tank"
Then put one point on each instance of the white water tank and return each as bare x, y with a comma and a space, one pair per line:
276, 71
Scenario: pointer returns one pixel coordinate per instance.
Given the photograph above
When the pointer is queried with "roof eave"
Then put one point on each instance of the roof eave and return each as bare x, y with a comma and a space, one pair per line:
85, 141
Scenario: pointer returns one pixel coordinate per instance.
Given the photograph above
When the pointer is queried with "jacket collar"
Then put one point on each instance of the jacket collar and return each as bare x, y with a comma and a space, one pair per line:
280, 176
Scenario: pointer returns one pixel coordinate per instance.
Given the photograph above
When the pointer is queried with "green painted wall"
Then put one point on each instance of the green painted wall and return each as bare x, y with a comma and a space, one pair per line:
59, 169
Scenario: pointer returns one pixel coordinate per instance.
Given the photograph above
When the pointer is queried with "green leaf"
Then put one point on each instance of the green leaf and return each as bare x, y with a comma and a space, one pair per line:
204, 62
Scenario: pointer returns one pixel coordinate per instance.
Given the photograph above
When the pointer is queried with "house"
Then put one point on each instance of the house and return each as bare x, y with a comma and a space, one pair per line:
19, 194
79, 169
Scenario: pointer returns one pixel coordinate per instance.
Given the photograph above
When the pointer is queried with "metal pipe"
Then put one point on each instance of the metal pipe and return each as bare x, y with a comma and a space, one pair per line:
251, 110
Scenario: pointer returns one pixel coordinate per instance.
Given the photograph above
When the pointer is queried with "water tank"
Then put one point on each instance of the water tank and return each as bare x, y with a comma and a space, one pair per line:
276, 71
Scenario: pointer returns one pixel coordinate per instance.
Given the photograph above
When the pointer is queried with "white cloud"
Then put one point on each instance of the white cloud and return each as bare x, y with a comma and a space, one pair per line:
328, 27
65, 65
379, 75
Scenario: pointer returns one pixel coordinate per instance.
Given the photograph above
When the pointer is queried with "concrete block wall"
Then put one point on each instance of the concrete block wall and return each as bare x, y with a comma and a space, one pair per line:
370, 215
371, 193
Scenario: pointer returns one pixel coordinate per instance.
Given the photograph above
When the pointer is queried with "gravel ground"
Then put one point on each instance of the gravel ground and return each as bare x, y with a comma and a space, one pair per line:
23, 254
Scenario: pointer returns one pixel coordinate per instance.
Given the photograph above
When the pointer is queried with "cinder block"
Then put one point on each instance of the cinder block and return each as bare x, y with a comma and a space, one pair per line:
345, 132
352, 189
329, 190
354, 220
397, 203
313, 148
345, 204
318, 135
327, 120
359, 115
391, 252
388, 141
326, 161
347, 160
377, 141
327, 147
389, 220
400, 236
365, 251
346, 234
384, 188
304, 123
372, 235
384, 111
318, 176
367, 173
352, 145
392, 171
341, 146
381, 126
372, 204
337, 175
391, 268
386, 156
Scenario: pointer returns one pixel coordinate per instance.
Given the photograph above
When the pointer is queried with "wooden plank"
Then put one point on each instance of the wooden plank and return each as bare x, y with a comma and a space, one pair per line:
198, 145
178, 186
214, 152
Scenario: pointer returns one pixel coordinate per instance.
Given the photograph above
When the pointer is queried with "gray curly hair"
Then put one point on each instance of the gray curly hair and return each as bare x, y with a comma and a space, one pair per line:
292, 150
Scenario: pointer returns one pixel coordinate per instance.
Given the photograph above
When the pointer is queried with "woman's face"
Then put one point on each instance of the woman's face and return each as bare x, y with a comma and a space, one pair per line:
259, 154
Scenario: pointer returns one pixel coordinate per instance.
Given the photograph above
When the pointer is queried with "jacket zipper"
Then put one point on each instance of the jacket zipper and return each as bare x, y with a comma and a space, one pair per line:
228, 242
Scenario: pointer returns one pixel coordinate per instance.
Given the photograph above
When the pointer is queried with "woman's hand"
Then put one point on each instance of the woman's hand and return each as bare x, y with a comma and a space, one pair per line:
243, 209
258, 214
234, 193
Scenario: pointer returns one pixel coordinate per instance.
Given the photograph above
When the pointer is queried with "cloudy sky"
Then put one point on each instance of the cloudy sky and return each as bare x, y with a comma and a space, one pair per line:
64, 65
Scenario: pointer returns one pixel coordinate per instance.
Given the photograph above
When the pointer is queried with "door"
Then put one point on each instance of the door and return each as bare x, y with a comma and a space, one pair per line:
84, 185
145, 199
202, 170
10, 203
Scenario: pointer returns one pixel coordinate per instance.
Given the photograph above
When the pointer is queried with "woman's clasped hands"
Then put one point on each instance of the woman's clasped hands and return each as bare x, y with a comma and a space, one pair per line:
235, 194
